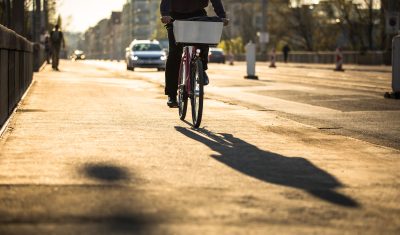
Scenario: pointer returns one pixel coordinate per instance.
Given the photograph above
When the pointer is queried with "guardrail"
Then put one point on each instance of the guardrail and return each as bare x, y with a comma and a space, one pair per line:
17, 63
396, 67
327, 57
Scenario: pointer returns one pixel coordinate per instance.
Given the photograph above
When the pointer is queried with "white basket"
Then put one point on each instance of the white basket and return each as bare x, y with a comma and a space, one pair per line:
201, 32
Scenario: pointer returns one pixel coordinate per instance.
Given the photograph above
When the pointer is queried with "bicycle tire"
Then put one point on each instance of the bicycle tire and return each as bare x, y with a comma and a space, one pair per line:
197, 88
182, 94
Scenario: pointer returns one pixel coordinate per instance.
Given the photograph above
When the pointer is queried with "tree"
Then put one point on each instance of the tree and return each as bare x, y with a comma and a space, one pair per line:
18, 16
160, 31
370, 22
52, 13
234, 46
303, 25
5, 12
359, 19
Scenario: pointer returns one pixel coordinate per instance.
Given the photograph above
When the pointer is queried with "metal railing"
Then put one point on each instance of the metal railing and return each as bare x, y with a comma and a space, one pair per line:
327, 57
17, 63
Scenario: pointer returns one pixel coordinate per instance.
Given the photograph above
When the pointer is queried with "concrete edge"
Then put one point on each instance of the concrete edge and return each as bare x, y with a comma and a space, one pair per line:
41, 67
8, 121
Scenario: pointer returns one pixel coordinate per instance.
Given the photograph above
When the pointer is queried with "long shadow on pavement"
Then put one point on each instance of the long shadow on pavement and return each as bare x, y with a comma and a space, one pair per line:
121, 199
270, 167
106, 172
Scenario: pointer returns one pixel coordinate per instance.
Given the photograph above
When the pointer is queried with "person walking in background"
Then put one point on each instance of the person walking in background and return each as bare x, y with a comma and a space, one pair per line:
286, 50
47, 48
56, 39
45, 41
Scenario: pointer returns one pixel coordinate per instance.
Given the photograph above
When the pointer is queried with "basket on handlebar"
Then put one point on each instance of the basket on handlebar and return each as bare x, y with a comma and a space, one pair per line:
200, 30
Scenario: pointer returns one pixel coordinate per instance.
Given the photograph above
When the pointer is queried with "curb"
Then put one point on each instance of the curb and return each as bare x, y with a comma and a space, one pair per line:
7, 122
42, 67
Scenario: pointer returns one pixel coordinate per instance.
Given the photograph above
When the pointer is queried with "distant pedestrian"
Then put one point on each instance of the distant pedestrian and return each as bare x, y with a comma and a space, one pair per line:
56, 39
47, 48
45, 41
286, 50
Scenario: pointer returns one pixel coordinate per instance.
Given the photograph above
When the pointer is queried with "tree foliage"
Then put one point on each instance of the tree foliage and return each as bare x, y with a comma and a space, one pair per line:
234, 46
160, 32
350, 24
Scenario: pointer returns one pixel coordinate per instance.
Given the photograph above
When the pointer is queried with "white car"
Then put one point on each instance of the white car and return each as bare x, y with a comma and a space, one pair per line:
145, 54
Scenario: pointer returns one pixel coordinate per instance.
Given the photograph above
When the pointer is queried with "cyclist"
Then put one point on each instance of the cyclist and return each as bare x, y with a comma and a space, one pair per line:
180, 10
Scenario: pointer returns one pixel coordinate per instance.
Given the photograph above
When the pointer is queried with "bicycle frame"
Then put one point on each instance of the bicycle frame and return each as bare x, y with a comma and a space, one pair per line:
188, 55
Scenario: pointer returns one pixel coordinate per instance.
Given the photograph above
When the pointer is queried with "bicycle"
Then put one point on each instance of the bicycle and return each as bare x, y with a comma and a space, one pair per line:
191, 84
191, 76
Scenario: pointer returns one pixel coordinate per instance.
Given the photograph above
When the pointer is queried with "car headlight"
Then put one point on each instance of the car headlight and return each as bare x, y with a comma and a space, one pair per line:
135, 58
163, 57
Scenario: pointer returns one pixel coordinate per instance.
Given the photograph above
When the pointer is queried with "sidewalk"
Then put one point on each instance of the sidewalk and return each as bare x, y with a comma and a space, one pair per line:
94, 150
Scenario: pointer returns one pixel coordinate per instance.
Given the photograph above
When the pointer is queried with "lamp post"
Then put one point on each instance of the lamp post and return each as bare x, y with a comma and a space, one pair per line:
7, 13
46, 14
38, 20
17, 17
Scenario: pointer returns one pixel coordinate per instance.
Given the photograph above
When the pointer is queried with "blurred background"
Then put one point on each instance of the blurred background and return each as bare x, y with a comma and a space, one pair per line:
104, 28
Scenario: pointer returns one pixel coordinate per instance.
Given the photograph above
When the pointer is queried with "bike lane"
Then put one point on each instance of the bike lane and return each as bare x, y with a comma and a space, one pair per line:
91, 152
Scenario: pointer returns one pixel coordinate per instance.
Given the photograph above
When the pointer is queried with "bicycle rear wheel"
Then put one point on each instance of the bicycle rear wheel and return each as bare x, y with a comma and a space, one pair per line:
197, 92
182, 94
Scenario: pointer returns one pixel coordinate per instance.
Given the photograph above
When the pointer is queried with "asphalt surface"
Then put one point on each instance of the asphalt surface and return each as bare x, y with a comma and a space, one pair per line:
349, 103
94, 149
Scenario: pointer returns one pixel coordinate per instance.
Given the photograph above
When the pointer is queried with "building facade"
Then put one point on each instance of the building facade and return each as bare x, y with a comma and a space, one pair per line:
109, 38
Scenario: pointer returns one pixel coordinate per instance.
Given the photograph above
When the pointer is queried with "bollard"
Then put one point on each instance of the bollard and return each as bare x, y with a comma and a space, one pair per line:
272, 58
339, 60
251, 60
395, 70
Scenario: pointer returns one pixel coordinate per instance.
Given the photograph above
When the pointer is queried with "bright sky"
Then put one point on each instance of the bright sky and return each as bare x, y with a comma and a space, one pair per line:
79, 15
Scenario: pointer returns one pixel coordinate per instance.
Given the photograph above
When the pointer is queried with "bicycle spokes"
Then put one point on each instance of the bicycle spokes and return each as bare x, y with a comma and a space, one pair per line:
182, 94
197, 93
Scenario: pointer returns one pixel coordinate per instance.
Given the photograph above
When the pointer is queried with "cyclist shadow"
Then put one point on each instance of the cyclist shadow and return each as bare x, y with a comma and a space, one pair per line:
270, 167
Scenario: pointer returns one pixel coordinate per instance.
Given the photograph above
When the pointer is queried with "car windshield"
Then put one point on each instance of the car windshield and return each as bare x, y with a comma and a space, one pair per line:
146, 47
217, 52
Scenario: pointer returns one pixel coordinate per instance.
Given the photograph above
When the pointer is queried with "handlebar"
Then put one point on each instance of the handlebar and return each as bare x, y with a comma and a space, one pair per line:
198, 18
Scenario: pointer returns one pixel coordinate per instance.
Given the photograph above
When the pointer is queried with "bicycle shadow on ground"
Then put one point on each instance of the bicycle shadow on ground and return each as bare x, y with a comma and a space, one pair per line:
270, 167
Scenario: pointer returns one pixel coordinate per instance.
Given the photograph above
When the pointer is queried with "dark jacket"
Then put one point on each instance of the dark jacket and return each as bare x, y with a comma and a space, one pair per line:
189, 6
56, 38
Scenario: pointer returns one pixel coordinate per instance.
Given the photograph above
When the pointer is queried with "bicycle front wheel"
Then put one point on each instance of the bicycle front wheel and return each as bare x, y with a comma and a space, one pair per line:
197, 92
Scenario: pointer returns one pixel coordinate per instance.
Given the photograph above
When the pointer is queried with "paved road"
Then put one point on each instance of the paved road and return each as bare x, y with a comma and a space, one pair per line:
93, 149
349, 103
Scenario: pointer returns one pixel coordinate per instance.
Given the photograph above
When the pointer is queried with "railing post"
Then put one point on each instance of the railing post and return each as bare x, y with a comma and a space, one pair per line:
11, 74
3, 85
